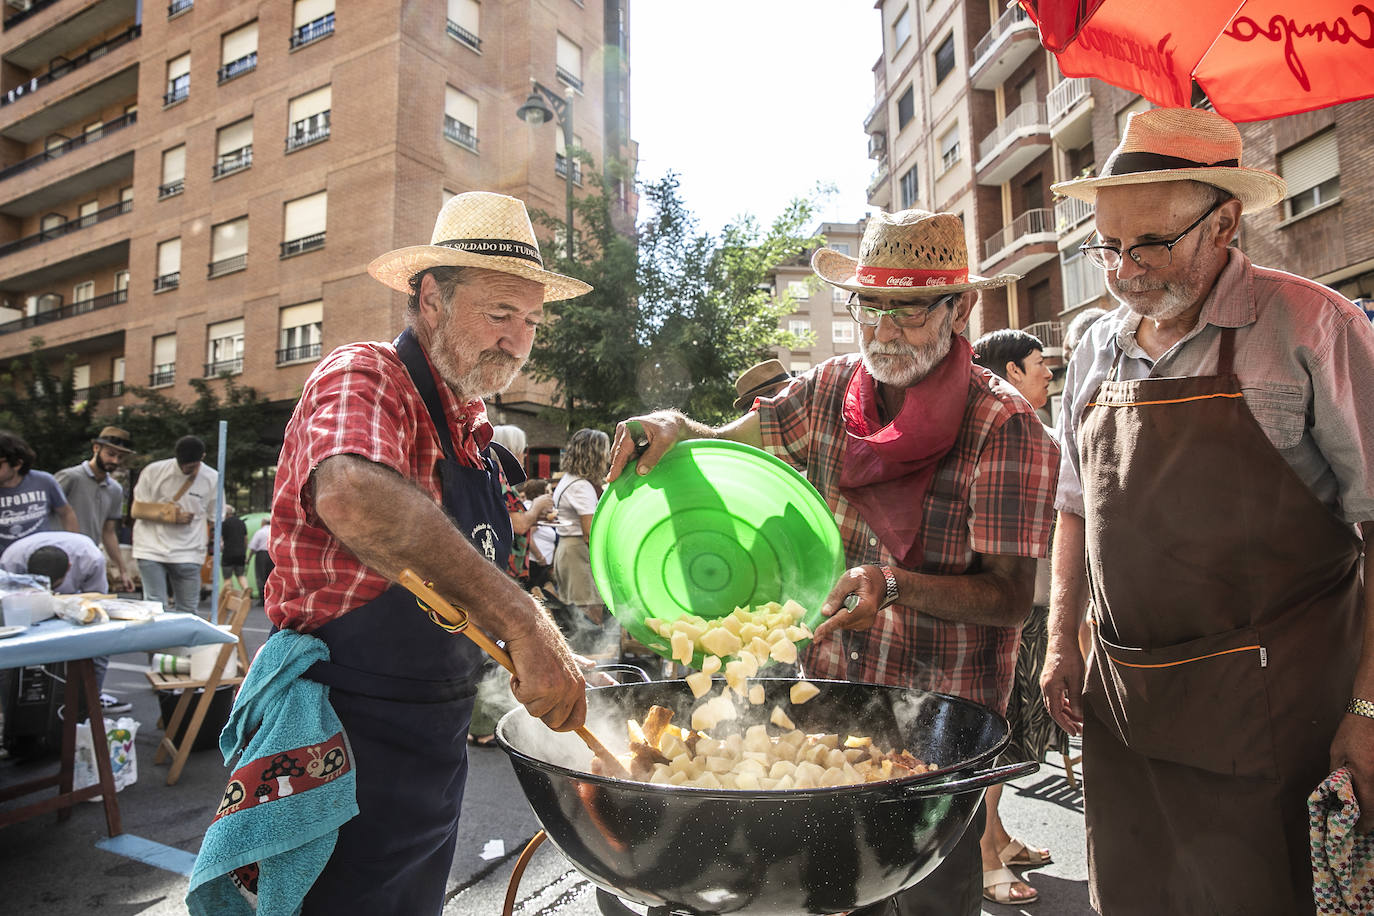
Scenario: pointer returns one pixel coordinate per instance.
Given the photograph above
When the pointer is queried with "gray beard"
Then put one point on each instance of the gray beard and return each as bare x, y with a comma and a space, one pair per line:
919, 360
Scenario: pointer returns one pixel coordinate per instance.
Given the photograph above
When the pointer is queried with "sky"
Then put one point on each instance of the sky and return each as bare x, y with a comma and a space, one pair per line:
752, 102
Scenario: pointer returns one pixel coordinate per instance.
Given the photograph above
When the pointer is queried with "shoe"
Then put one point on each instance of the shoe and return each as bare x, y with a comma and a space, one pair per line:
998, 884
110, 704
1019, 854
482, 740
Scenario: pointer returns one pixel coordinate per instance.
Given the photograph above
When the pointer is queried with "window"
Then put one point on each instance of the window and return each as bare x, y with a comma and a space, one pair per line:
799, 366
464, 19
173, 172
83, 292
301, 332
949, 148
164, 360
117, 376
168, 265
839, 296
233, 148
52, 225
303, 224
92, 131
238, 51
309, 118
798, 289
910, 192
944, 59
560, 158
177, 7
86, 213
178, 79
224, 348
121, 286
906, 107
901, 28
460, 118
569, 62
126, 199
229, 247
311, 20
842, 332
841, 247
1124, 115
1313, 172
798, 326
81, 380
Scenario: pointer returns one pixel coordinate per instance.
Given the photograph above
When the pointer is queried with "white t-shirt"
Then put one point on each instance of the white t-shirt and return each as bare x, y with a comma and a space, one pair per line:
169, 543
574, 497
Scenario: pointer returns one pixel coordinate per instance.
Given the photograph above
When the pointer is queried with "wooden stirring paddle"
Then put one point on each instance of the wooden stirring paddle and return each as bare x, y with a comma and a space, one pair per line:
458, 619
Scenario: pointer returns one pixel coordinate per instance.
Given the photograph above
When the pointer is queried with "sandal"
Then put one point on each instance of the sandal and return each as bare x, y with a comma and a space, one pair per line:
998, 885
482, 740
1019, 854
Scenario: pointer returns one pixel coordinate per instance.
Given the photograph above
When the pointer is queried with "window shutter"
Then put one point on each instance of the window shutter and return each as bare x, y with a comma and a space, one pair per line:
295, 316
235, 136
466, 14
312, 103
178, 66
169, 257
164, 349
239, 43
307, 11
1310, 163
221, 329
174, 164
229, 240
460, 106
305, 217
569, 55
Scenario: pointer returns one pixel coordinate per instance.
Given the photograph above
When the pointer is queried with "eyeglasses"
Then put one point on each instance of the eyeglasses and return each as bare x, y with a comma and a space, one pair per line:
906, 317
1149, 255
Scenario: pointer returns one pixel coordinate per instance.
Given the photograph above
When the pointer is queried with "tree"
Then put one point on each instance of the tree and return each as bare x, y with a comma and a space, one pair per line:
39, 405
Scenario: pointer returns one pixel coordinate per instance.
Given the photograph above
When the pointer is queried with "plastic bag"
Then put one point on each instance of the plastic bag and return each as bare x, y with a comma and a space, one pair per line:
123, 760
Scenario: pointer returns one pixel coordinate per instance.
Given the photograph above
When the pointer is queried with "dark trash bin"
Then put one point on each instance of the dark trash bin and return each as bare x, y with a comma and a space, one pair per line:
220, 706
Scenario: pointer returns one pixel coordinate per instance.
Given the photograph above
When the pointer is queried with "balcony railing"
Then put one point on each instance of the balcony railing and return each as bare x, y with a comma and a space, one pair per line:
297, 354
560, 165
238, 67
1032, 222
1064, 96
70, 226
302, 245
313, 31
35, 6
227, 266
167, 281
171, 189
177, 90
879, 176
224, 366
1004, 24
460, 133
61, 68
567, 78
233, 161
179, 6
1083, 280
1070, 213
164, 374
1027, 118
1049, 333
308, 131
66, 311
98, 391
459, 33
62, 149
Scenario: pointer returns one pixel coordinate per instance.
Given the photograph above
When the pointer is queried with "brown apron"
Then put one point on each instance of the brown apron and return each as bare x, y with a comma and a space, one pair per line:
1226, 603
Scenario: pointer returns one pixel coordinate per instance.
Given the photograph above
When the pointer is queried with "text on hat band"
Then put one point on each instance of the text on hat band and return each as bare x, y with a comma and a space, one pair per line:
502, 247
902, 277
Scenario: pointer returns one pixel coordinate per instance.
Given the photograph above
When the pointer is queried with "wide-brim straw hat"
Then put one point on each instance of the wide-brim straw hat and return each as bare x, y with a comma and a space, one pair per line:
760, 380
1181, 144
115, 438
905, 254
478, 229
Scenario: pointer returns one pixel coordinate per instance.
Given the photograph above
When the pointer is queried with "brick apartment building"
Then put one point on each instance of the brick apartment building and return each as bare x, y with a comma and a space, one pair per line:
972, 116
820, 308
196, 189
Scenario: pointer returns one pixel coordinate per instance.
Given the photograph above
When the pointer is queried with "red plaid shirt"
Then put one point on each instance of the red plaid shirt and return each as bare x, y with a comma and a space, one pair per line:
992, 494
359, 401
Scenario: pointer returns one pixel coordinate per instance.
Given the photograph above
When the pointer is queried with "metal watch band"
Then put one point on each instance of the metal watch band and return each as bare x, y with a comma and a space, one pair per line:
1360, 708
890, 598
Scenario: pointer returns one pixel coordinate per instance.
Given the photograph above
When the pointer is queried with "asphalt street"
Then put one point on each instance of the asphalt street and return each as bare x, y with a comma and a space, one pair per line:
52, 868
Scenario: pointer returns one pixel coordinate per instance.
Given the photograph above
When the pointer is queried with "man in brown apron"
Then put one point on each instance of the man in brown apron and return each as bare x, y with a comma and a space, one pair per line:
1217, 458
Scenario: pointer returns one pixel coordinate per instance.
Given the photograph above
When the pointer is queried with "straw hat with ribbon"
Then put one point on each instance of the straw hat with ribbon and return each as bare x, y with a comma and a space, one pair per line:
761, 380
478, 229
1181, 144
906, 254
115, 438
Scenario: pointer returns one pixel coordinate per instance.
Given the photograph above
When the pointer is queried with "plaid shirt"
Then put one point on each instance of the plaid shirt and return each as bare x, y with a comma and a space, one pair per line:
359, 401
993, 493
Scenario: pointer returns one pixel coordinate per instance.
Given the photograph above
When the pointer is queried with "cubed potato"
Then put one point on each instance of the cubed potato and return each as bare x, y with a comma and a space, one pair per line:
747, 782
679, 779
786, 782
682, 647
780, 719
835, 759
783, 651
794, 610
707, 780
749, 630
671, 745
766, 783
855, 754
759, 647
710, 664
833, 776
754, 767
683, 764
689, 626
796, 737
802, 691
796, 634
721, 642
735, 677
756, 695
730, 624
829, 739
782, 768
700, 682
707, 747
858, 741
749, 663
734, 744
719, 764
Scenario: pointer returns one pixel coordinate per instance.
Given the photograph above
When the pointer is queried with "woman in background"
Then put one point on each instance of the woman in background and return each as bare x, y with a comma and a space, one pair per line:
585, 462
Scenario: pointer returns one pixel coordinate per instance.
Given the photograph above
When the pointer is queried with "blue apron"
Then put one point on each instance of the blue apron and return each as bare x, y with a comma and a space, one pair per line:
404, 689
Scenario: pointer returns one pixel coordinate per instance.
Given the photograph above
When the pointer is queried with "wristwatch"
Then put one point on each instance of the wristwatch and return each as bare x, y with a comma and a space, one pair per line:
890, 597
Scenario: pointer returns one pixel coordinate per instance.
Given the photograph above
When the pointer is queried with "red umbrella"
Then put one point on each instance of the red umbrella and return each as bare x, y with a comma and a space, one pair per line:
1255, 59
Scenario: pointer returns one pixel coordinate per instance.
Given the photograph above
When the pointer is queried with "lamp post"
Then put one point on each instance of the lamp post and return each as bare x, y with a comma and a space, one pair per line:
544, 105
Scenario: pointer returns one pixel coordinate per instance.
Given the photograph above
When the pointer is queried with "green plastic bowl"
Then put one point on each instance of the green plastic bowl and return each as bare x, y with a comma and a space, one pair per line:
714, 526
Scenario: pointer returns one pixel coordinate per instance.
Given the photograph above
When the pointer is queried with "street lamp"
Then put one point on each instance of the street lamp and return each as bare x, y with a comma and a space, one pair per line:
544, 105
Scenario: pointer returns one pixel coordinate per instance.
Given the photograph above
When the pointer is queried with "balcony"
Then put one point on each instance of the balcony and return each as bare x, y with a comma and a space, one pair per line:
460, 133
298, 354
233, 161
560, 165
1028, 242
1049, 333
1070, 106
876, 119
567, 79
308, 131
167, 281
880, 175
244, 64
62, 149
1083, 281
224, 367
1010, 41
61, 66
302, 245
177, 7
1072, 220
34, 6
70, 226
462, 35
1013, 144
227, 266
177, 90
313, 31
98, 392
171, 189
877, 145
67, 311
162, 375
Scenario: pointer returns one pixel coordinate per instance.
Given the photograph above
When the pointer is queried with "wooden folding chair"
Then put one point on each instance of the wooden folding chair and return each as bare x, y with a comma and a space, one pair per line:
234, 606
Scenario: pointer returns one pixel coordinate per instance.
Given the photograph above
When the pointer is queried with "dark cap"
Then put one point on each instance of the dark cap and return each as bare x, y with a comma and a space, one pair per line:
115, 438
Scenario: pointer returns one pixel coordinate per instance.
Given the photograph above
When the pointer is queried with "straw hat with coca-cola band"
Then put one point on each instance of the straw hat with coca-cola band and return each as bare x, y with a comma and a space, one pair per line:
478, 229
905, 254
1181, 144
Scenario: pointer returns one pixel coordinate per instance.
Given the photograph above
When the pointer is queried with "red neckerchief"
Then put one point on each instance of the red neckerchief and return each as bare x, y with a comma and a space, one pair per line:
888, 468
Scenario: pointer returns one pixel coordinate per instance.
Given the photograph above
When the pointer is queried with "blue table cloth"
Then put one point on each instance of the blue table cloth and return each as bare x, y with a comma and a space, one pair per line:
57, 640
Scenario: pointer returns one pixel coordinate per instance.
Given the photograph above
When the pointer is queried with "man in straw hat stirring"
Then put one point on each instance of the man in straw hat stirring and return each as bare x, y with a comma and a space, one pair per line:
386, 465
1218, 454
941, 478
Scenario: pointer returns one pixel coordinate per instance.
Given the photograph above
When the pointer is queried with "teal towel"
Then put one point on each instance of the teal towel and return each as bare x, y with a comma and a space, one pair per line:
294, 787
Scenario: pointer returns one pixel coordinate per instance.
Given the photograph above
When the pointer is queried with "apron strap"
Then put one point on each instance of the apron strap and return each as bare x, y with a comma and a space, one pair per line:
408, 348
1226, 351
